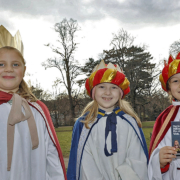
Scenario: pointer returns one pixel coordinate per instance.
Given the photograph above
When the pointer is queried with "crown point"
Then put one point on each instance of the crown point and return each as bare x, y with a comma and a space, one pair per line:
118, 68
102, 65
170, 59
111, 66
178, 55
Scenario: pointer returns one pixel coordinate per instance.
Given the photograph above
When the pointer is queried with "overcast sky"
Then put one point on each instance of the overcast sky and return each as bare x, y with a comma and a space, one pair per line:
154, 23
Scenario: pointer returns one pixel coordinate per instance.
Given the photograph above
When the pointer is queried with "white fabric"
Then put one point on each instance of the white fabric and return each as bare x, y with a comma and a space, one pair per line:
129, 163
40, 164
154, 171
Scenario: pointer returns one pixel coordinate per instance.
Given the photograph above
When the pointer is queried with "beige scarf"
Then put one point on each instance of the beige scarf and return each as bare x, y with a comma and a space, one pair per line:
16, 116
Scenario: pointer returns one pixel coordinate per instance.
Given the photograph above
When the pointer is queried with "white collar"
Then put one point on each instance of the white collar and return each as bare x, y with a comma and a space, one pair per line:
176, 103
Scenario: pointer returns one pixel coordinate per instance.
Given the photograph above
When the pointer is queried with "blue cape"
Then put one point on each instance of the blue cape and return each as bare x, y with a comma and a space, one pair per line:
71, 172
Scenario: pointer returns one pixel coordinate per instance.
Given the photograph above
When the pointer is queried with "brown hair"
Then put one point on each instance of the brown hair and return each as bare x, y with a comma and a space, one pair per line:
24, 90
92, 108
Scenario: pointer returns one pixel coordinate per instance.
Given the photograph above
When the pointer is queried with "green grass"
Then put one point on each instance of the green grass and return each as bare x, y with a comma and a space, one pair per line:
148, 123
147, 132
65, 142
64, 135
63, 128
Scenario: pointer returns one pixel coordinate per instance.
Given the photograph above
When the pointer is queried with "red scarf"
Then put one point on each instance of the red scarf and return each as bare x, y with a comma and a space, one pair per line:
4, 97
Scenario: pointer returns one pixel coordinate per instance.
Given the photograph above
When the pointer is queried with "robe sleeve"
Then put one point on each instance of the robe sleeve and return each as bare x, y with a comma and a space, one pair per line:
135, 164
54, 169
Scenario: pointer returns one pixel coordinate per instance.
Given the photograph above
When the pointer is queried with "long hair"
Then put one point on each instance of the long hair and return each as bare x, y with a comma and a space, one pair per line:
168, 86
92, 108
24, 90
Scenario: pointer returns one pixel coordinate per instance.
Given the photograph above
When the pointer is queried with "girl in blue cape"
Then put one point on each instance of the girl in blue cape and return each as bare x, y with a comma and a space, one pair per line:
107, 141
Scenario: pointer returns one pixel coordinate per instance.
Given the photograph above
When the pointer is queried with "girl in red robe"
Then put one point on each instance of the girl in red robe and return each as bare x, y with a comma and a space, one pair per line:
163, 163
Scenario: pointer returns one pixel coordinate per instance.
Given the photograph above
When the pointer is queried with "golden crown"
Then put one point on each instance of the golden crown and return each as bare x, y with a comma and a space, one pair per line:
6, 39
107, 73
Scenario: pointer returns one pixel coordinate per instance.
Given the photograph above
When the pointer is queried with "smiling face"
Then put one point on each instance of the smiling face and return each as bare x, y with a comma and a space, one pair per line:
107, 95
174, 85
12, 70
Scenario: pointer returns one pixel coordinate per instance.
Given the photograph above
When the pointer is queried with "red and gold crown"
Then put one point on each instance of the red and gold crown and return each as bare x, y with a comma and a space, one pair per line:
171, 68
110, 73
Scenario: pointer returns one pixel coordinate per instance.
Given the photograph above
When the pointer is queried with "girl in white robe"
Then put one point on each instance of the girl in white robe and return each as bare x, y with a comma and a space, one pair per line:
108, 142
29, 148
163, 164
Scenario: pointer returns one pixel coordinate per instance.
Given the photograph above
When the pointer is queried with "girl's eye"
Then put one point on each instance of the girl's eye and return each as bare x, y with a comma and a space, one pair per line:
1, 65
175, 81
114, 87
15, 65
101, 86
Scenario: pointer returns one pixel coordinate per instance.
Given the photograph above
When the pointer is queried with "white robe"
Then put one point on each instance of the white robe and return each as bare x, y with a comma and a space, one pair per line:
39, 164
154, 171
129, 163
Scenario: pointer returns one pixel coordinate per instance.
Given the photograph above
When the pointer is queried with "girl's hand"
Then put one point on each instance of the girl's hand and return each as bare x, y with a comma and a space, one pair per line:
166, 154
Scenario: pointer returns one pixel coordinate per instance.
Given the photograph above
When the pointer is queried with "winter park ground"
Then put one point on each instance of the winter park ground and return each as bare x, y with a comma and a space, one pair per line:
64, 135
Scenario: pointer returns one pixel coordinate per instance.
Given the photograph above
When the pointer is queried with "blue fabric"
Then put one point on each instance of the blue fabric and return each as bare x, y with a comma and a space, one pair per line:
71, 171
111, 127
145, 145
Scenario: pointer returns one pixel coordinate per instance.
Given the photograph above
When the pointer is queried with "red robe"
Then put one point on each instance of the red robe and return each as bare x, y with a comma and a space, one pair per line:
158, 126
43, 110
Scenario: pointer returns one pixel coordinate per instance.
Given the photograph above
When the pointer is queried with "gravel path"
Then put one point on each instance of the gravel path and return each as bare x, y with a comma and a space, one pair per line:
66, 160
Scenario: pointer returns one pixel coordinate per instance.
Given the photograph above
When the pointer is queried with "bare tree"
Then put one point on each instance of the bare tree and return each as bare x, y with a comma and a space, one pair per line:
65, 63
174, 48
120, 43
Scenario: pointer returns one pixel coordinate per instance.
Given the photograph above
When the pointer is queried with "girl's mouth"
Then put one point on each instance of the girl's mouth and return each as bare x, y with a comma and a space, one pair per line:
107, 99
8, 77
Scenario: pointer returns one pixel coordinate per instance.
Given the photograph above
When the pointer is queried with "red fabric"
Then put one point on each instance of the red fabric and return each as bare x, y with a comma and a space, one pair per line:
5, 97
118, 79
170, 59
98, 76
165, 169
157, 127
47, 114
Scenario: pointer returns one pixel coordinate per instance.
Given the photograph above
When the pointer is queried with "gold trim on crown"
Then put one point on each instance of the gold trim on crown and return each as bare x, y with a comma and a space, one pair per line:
6, 39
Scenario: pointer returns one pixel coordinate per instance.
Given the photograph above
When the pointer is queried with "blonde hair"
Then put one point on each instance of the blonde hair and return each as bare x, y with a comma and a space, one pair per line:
92, 108
168, 87
24, 90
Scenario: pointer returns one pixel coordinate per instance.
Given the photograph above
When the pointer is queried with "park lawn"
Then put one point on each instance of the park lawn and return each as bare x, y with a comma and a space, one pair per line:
65, 141
147, 132
63, 128
148, 123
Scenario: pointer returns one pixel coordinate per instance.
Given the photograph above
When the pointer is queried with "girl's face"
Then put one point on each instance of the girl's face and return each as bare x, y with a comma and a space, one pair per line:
174, 84
107, 95
12, 70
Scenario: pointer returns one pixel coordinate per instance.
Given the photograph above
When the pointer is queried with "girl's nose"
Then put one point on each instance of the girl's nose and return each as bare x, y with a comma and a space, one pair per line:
108, 91
9, 68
